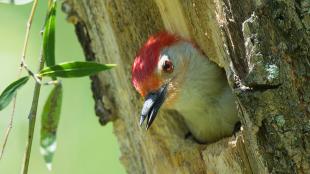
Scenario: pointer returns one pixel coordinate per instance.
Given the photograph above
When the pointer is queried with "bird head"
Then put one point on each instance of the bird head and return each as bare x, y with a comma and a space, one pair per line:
155, 72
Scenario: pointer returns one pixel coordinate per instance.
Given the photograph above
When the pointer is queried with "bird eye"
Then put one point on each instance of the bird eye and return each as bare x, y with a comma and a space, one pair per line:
168, 66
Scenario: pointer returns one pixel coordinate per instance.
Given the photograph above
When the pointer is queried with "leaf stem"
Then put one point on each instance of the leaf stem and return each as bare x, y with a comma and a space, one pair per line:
34, 76
10, 125
38, 79
32, 118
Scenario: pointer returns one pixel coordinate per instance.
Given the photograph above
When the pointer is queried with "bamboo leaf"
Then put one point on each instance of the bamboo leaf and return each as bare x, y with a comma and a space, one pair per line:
49, 36
49, 123
16, 2
10, 91
75, 69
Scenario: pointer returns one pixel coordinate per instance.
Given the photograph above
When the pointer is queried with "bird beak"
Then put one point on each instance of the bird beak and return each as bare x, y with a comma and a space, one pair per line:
151, 105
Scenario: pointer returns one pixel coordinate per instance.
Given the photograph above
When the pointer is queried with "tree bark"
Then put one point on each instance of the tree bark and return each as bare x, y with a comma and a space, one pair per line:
263, 46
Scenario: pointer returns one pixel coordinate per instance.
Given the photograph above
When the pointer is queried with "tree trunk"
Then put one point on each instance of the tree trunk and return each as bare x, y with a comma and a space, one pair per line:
263, 46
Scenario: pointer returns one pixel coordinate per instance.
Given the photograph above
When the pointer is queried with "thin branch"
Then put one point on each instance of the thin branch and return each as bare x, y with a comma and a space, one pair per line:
38, 80
32, 118
8, 130
34, 6
34, 76
33, 112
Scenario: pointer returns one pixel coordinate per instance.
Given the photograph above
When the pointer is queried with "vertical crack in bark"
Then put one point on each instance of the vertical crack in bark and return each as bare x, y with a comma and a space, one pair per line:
103, 111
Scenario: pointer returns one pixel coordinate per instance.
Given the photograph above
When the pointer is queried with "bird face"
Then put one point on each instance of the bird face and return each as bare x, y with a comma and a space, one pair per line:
159, 89
154, 75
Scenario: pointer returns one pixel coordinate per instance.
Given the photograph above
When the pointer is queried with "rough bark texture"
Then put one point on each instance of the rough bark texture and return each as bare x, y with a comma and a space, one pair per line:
264, 47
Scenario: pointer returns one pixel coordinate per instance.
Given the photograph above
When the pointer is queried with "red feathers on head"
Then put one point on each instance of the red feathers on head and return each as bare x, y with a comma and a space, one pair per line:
143, 77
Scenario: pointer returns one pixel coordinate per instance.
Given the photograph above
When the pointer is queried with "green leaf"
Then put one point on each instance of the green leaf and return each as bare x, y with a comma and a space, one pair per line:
10, 91
16, 2
49, 123
75, 69
49, 36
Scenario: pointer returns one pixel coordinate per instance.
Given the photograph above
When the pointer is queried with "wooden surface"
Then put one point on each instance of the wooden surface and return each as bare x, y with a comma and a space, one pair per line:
264, 48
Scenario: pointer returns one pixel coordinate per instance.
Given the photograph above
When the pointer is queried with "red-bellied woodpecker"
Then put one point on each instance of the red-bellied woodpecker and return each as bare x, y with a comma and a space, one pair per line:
172, 72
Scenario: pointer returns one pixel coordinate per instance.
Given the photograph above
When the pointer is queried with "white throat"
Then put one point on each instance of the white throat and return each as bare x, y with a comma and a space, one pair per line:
203, 96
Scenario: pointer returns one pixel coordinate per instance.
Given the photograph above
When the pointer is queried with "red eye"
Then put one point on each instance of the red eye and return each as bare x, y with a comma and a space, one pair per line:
168, 66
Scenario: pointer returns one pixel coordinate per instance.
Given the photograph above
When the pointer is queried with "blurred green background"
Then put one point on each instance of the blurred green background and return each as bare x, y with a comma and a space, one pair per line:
83, 146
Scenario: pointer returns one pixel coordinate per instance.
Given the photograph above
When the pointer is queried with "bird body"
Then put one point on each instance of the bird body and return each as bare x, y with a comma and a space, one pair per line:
173, 73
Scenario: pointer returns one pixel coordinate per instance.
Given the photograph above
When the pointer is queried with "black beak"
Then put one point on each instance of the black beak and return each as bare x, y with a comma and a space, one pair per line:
151, 105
